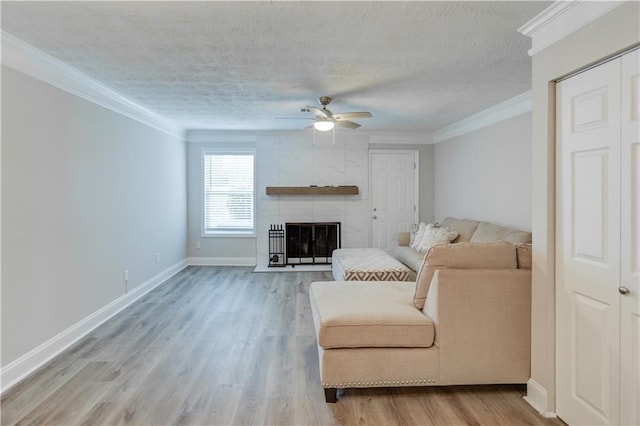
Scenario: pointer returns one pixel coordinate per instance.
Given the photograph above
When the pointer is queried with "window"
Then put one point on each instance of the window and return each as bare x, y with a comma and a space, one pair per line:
228, 193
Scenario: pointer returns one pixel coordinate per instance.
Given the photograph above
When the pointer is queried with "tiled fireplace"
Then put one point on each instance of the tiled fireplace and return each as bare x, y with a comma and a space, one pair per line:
291, 159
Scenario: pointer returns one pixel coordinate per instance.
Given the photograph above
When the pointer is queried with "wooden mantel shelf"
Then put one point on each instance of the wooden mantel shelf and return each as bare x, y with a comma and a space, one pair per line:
313, 190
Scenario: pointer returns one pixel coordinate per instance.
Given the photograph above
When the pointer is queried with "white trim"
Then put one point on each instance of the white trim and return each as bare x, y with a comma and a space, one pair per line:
227, 150
35, 63
537, 398
499, 112
228, 234
399, 138
561, 19
221, 261
28, 363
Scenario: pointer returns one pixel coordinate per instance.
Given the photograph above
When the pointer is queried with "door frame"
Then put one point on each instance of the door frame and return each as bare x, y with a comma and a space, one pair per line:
416, 160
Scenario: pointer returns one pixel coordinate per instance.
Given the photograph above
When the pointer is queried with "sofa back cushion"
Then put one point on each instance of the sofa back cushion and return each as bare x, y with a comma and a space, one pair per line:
468, 255
487, 232
524, 256
465, 228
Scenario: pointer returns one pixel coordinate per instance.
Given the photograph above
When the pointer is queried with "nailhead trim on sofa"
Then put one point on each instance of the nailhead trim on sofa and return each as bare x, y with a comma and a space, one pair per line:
378, 384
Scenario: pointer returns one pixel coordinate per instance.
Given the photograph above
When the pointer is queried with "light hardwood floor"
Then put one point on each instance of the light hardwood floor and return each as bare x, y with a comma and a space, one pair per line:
224, 345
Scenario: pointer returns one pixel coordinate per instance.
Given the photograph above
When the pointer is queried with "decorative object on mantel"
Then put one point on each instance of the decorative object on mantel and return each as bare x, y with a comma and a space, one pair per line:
313, 190
276, 246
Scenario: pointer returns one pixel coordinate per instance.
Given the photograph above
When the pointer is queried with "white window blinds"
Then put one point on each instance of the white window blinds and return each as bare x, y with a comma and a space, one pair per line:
228, 193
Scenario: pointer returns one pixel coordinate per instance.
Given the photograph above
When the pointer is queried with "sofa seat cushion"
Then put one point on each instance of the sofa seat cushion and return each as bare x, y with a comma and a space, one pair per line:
368, 264
355, 314
410, 257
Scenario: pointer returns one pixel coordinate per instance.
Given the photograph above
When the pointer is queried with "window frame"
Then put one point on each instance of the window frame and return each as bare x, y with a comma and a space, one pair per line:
226, 233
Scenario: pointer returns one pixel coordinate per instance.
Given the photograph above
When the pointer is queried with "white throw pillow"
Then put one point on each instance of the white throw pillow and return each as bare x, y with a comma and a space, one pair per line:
433, 236
418, 237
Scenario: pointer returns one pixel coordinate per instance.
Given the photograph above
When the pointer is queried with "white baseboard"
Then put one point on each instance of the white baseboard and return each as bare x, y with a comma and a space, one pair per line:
538, 399
222, 261
28, 363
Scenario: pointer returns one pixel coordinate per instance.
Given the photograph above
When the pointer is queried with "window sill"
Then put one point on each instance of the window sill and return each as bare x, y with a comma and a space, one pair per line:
228, 234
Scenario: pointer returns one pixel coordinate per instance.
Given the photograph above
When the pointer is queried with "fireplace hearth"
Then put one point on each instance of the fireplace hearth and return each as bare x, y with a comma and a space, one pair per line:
311, 243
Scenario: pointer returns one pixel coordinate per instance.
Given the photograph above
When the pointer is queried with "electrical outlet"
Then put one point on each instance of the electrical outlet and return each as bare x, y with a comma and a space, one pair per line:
157, 257
198, 244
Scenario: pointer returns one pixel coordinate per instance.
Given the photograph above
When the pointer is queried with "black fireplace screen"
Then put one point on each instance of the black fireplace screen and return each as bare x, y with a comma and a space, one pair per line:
311, 243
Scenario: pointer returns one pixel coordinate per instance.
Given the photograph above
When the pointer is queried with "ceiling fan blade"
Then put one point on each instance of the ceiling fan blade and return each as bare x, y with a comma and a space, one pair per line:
347, 123
319, 111
350, 115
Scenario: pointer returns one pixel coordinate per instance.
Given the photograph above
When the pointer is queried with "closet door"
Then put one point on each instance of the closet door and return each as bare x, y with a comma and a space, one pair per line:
588, 246
630, 279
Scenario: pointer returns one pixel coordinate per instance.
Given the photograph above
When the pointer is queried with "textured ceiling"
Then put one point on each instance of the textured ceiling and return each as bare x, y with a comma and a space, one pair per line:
416, 66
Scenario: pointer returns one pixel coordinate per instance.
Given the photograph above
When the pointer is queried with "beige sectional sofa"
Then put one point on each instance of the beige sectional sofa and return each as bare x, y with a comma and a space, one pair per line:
466, 320
468, 230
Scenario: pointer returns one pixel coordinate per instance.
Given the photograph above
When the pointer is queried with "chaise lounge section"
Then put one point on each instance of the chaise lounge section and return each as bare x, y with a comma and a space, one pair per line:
466, 320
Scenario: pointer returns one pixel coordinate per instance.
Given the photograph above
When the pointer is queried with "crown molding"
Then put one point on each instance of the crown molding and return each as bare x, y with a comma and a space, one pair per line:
561, 19
499, 112
399, 138
35, 63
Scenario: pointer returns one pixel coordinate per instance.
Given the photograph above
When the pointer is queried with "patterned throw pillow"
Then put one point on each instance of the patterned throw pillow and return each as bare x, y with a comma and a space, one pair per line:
418, 236
433, 236
412, 233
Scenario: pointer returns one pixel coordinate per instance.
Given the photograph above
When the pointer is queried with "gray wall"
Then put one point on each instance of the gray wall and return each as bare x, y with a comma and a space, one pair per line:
487, 174
86, 194
291, 159
222, 250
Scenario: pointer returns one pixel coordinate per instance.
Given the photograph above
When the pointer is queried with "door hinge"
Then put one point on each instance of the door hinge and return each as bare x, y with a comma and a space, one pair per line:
414, 165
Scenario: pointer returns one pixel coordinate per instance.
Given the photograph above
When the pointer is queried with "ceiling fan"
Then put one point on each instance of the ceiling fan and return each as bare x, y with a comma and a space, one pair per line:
326, 120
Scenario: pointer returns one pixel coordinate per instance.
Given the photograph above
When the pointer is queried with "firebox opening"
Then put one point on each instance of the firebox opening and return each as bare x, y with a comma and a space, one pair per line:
312, 243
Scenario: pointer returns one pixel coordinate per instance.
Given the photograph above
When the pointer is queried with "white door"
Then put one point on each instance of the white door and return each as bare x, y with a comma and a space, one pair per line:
588, 247
394, 200
630, 302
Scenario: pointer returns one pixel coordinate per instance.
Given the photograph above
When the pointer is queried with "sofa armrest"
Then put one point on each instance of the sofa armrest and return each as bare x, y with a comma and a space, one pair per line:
496, 255
482, 315
404, 238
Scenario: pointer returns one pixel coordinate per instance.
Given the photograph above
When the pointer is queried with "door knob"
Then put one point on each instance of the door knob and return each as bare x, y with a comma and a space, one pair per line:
374, 217
623, 290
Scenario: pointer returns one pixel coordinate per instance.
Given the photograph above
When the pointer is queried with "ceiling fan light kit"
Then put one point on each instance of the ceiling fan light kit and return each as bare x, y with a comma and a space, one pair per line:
323, 125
